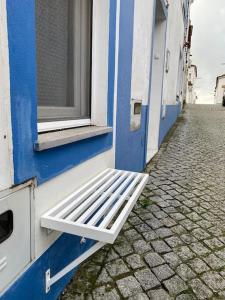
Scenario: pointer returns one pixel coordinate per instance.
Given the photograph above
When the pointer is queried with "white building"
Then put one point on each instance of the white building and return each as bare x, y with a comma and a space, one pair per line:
191, 92
219, 89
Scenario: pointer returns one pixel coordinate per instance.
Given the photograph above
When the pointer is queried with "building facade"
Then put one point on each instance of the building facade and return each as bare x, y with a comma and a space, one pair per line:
191, 91
85, 85
219, 89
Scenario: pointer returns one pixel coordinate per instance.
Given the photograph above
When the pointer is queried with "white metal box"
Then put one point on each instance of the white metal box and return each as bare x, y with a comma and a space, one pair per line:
15, 247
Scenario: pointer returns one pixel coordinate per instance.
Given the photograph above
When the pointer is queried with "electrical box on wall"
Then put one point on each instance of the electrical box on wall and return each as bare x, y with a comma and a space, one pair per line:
15, 243
135, 114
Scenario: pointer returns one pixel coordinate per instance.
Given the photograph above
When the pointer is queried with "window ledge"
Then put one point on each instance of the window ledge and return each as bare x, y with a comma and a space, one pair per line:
58, 138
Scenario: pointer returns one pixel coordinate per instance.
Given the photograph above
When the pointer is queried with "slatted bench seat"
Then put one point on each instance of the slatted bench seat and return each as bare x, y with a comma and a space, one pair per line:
97, 210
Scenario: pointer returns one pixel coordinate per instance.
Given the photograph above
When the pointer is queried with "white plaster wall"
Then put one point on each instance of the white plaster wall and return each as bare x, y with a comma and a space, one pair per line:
142, 45
100, 54
220, 91
52, 192
174, 42
191, 94
6, 160
156, 89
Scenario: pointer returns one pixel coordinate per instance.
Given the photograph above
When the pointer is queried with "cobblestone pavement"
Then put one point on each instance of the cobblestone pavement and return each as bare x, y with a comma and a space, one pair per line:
173, 245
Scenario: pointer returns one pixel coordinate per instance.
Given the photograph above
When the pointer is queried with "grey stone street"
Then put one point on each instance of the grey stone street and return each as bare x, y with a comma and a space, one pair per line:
173, 244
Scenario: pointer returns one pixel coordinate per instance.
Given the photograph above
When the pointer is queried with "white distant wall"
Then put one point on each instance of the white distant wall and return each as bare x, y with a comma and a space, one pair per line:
191, 92
220, 90
142, 44
174, 43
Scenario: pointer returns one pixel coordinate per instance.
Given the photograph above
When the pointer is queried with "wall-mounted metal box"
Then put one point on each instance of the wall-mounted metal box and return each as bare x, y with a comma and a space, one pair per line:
135, 114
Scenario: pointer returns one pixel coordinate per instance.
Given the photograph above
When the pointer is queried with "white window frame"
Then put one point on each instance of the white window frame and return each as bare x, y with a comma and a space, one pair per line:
99, 76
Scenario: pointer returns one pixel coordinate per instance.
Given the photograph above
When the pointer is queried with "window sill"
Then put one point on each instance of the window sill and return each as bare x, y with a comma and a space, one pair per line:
63, 137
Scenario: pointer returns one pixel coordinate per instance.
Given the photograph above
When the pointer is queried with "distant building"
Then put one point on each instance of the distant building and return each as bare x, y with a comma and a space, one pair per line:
219, 89
191, 93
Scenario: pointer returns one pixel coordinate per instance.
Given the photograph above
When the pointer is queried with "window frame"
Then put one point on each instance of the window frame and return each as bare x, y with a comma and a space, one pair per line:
72, 122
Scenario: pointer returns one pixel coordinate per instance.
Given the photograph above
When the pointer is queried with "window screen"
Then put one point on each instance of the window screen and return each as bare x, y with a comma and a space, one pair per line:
63, 46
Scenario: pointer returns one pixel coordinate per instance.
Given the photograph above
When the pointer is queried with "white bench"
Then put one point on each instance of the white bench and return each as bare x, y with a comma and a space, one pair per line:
97, 210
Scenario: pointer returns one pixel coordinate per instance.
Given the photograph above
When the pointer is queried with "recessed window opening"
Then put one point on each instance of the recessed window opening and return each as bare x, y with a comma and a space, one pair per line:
63, 47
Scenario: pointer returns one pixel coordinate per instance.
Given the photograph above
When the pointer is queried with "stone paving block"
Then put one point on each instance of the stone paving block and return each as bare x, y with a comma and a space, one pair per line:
177, 216
135, 261
214, 281
200, 289
128, 287
185, 297
140, 296
154, 259
188, 224
178, 229
159, 294
112, 255
160, 246
141, 247
172, 259
134, 220
150, 235
122, 247
103, 293
160, 214
169, 222
221, 253
214, 243
200, 234
104, 277
198, 265
132, 235
142, 228
163, 272
194, 217
184, 209
146, 216
214, 262
175, 285
174, 241
185, 272
199, 249
184, 253
116, 268
164, 232
154, 223
147, 279
188, 239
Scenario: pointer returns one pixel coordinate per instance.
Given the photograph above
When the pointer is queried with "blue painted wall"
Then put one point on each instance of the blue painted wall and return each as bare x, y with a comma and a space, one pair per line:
31, 285
172, 113
130, 145
22, 55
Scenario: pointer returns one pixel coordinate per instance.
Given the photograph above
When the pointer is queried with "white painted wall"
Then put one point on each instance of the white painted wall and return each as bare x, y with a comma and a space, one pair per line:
142, 44
100, 55
174, 43
220, 91
52, 192
191, 80
6, 160
156, 88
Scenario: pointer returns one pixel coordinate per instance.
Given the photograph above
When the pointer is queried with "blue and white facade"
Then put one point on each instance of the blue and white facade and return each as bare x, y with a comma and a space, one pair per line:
137, 79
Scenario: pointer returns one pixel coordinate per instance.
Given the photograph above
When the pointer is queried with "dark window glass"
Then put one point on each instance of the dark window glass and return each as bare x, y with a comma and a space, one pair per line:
6, 225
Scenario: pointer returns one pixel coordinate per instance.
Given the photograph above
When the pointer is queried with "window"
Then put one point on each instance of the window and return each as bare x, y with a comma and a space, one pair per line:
6, 225
63, 43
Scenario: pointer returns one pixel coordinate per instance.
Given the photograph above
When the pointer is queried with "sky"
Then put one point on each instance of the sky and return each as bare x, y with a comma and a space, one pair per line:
208, 45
